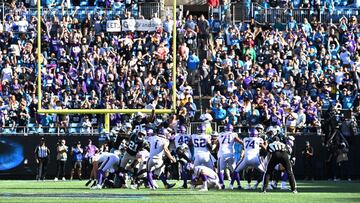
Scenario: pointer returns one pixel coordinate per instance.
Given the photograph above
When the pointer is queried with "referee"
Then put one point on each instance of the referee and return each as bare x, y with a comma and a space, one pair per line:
279, 154
42, 153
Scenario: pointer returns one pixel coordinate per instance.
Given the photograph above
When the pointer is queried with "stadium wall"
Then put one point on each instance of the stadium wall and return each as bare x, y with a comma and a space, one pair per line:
17, 160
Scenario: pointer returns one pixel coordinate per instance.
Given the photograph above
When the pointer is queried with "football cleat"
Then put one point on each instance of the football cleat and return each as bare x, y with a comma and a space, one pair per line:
96, 187
183, 187
155, 184
231, 187
295, 191
203, 189
88, 183
94, 183
169, 186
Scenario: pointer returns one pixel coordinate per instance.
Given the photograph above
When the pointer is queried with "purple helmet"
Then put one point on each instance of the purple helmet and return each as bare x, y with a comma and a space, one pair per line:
149, 132
253, 132
201, 129
182, 129
163, 131
229, 127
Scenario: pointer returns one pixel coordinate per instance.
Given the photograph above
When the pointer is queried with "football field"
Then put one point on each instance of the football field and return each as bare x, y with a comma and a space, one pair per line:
75, 191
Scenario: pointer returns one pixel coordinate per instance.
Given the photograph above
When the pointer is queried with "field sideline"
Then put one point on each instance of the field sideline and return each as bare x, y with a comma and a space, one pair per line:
75, 191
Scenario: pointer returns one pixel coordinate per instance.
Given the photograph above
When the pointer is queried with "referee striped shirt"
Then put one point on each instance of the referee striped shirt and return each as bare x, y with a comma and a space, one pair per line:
42, 151
277, 146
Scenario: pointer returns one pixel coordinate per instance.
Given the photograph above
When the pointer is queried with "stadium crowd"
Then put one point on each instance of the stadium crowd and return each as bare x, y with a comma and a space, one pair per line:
284, 73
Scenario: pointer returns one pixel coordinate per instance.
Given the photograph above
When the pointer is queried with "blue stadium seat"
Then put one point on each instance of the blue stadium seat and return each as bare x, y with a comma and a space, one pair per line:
52, 130
40, 130
74, 128
31, 127
7, 131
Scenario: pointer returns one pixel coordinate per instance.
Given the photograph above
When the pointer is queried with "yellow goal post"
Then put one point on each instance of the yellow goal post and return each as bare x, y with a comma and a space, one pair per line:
107, 112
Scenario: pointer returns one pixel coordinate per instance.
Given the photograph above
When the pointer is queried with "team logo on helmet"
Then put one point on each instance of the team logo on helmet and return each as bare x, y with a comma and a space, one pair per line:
229, 127
182, 129
149, 132
253, 132
201, 129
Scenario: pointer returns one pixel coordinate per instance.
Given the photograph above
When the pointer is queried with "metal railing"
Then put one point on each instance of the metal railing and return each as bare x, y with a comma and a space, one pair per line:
243, 12
50, 130
148, 9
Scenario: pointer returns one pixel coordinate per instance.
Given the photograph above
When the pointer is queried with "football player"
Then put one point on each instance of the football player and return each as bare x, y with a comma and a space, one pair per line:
226, 142
205, 176
109, 161
201, 143
136, 143
181, 141
140, 174
159, 145
252, 158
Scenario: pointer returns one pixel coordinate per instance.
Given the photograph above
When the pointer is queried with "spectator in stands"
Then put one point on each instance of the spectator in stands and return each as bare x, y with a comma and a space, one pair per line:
219, 114
23, 117
86, 125
292, 24
204, 28
193, 66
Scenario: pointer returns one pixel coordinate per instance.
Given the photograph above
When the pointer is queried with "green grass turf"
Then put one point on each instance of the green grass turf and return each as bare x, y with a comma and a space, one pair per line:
75, 191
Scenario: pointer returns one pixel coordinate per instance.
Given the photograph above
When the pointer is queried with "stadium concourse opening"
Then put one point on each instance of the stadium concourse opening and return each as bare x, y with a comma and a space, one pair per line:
107, 112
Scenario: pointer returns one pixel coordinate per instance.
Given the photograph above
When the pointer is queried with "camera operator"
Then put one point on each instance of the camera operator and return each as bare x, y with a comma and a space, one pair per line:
308, 154
342, 163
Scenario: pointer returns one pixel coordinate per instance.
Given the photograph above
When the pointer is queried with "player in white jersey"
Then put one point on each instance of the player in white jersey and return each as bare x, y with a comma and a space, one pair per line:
182, 138
181, 141
226, 142
252, 158
159, 145
205, 176
109, 161
202, 143
140, 170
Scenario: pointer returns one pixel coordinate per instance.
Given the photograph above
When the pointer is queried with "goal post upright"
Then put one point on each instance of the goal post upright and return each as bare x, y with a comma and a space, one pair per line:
39, 53
174, 69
